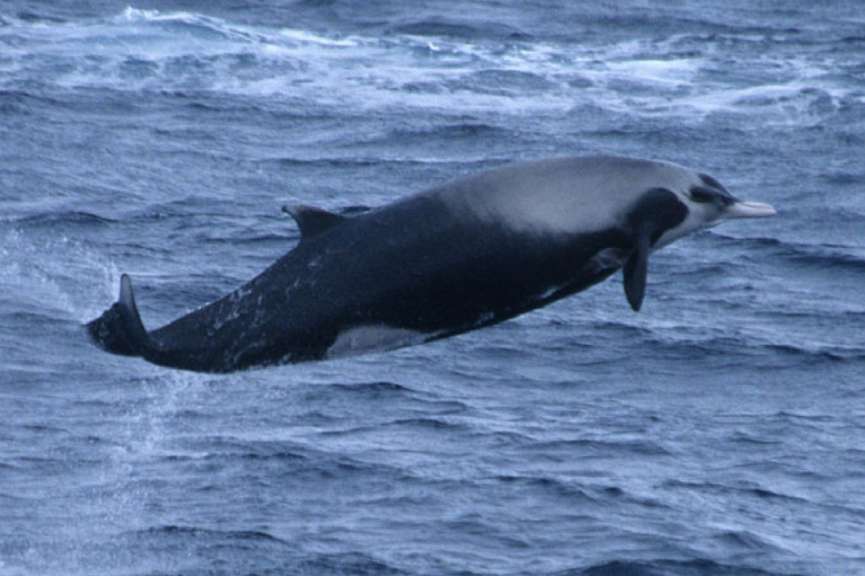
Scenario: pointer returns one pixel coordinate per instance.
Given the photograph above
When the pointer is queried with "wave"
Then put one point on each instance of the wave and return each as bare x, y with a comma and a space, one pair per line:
832, 354
346, 563
284, 457
685, 341
252, 237
644, 447
730, 350
375, 389
428, 63
561, 489
748, 489
365, 392
448, 132
294, 461
70, 218
822, 255
172, 531
699, 567
22, 101
428, 423
461, 29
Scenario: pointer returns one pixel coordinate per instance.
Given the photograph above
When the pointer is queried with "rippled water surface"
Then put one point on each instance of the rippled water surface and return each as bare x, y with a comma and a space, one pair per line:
721, 431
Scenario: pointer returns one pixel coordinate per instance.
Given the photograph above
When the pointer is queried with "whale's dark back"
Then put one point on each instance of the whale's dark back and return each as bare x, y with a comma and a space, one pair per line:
412, 265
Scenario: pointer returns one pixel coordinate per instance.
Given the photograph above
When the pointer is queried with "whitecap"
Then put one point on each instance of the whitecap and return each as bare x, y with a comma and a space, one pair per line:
660, 72
306, 37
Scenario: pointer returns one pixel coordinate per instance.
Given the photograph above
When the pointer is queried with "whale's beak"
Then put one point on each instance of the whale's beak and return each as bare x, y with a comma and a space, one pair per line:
740, 209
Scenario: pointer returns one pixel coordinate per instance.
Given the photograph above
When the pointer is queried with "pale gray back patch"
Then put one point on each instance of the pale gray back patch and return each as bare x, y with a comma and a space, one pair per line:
373, 338
565, 195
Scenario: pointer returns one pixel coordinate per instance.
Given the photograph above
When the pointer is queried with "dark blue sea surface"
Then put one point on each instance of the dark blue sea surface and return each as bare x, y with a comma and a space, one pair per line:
721, 431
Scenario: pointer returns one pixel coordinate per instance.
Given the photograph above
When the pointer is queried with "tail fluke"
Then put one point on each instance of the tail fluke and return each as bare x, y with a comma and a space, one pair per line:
119, 330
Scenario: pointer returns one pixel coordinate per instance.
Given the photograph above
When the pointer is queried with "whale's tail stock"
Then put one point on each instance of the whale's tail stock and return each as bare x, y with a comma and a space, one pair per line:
119, 330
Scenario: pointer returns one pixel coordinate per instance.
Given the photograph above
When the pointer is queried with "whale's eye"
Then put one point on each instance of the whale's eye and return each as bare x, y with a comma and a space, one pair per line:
702, 195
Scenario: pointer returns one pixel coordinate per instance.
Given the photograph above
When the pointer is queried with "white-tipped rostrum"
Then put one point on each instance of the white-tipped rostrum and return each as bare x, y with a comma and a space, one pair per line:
740, 209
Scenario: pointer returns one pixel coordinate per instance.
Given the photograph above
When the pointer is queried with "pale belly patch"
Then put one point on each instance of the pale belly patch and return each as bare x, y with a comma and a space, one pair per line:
373, 338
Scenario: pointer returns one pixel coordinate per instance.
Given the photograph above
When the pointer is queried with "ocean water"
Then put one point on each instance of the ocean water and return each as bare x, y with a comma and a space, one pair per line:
721, 431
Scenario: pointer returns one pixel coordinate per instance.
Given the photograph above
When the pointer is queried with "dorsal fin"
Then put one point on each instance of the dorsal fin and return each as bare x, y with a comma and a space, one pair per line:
312, 221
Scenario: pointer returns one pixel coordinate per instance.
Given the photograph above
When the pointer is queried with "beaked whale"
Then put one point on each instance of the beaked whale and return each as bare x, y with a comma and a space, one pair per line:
458, 257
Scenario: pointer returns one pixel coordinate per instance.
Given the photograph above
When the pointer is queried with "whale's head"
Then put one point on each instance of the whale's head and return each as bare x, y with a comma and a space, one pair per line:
637, 205
677, 202
570, 196
708, 203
